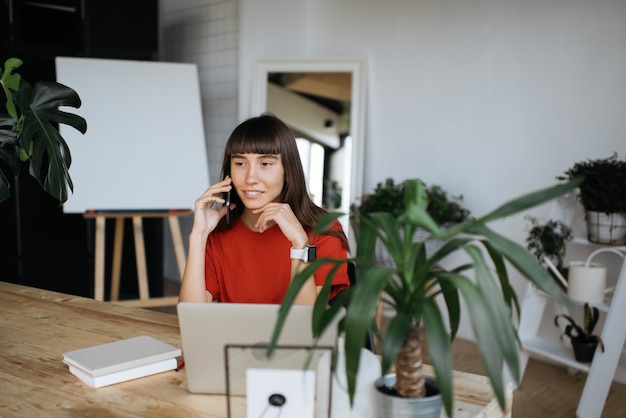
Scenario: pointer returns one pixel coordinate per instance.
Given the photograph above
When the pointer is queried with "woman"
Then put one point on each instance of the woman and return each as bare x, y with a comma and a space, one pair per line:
251, 255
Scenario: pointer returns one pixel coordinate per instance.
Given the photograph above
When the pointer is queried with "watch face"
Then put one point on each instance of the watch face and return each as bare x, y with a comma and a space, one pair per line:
311, 253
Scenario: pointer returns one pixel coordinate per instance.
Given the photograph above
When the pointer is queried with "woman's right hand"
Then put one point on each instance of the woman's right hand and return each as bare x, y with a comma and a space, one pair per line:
206, 216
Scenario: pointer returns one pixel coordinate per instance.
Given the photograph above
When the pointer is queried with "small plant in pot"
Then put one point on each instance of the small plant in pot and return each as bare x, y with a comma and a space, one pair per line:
603, 195
28, 132
584, 342
547, 241
418, 288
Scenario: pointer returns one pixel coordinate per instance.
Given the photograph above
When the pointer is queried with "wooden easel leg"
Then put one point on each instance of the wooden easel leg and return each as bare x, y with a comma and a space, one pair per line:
117, 259
179, 248
140, 254
99, 259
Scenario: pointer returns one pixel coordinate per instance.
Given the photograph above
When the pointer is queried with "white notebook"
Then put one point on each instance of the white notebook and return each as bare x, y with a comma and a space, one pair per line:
104, 359
124, 375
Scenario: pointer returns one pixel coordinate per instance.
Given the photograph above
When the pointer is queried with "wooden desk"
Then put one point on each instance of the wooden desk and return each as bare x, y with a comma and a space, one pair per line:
38, 326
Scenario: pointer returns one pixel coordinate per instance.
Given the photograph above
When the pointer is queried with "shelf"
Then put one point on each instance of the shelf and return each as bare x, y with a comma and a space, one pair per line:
585, 241
602, 307
604, 368
555, 351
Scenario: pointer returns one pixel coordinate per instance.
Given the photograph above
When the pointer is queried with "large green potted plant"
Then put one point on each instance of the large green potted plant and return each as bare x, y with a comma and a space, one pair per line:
417, 288
29, 135
603, 195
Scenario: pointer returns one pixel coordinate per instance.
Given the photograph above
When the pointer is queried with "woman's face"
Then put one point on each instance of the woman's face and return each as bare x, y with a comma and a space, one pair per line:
258, 178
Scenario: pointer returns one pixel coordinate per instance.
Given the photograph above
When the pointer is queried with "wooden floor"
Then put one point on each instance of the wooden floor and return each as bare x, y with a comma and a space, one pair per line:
547, 390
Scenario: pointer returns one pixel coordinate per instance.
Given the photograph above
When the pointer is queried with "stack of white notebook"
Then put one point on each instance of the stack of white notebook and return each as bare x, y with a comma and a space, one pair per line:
115, 362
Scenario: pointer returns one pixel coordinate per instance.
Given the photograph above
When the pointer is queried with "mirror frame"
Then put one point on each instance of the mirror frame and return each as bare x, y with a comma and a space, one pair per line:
355, 66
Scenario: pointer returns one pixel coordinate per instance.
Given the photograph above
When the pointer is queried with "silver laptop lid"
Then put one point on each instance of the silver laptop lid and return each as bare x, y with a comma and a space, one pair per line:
206, 328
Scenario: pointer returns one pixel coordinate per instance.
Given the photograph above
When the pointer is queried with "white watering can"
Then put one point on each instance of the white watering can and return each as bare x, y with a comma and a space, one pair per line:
587, 280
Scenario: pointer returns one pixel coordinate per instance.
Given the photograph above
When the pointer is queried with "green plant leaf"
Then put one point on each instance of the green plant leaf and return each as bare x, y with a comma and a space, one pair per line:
359, 317
7, 134
439, 342
524, 262
49, 154
453, 304
292, 292
508, 292
322, 314
394, 338
366, 244
388, 232
500, 311
573, 330
485, 334
325, 222
528, 201
10, 83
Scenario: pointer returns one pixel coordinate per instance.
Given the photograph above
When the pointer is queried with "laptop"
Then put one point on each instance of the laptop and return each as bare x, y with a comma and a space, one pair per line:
209, 330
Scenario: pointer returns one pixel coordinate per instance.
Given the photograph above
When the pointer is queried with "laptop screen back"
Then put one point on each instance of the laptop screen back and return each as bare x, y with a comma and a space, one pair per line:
207, 328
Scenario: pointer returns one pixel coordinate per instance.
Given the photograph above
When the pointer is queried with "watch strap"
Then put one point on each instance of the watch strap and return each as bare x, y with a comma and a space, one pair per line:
306, 254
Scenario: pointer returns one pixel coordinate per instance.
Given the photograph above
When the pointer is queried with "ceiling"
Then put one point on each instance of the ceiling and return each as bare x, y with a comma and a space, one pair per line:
331, 90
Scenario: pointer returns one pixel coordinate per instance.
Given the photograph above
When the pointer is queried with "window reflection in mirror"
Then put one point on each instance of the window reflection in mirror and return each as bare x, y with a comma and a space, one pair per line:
316, 106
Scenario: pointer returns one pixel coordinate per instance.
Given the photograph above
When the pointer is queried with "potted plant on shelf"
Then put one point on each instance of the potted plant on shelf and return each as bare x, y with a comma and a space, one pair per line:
584, 342
603, 195
389, 197
417, 288
547, 241
28, 134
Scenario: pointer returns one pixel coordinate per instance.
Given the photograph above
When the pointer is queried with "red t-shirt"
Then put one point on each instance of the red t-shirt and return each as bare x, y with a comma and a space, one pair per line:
244, 266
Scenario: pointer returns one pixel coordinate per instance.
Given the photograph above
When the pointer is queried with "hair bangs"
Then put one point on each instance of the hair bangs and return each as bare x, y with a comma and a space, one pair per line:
255, 141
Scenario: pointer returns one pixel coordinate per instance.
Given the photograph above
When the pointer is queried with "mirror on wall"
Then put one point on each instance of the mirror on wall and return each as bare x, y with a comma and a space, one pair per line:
323, 103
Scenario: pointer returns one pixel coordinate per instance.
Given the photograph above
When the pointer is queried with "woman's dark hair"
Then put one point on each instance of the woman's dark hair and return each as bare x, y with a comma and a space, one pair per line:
267, 134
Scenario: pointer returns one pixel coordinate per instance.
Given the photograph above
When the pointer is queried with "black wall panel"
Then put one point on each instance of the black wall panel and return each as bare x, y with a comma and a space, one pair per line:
40, 245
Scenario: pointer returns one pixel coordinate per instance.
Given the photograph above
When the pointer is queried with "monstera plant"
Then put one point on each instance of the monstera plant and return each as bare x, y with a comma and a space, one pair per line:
29, 133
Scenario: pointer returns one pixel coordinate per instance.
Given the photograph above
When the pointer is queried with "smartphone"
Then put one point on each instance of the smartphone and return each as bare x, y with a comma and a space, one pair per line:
227, 204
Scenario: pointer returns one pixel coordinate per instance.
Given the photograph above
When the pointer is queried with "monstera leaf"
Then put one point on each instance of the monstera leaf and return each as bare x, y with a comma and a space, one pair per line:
29, 132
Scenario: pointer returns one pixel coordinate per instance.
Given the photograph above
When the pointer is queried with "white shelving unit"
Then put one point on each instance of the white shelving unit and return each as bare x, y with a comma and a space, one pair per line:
602, 370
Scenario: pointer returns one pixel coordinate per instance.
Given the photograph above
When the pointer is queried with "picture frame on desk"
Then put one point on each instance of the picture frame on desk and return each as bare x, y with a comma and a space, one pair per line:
243, 362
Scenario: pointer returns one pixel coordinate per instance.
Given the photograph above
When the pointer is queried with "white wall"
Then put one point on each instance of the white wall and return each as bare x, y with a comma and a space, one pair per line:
204, 32
487, 98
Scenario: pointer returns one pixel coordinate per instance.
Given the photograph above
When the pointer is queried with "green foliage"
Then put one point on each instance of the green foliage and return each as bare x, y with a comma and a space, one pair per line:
549, 240
414, 285
389, 197
582, 333
604, 187
28, 133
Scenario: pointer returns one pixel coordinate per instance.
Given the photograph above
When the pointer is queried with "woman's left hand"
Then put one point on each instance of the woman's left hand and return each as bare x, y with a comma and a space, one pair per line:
282, 215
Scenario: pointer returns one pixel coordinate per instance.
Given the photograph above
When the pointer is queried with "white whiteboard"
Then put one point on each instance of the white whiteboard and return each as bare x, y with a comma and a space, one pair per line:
144, 148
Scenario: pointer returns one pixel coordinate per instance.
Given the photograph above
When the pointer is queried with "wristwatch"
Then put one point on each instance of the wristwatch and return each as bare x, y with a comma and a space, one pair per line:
307, 254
